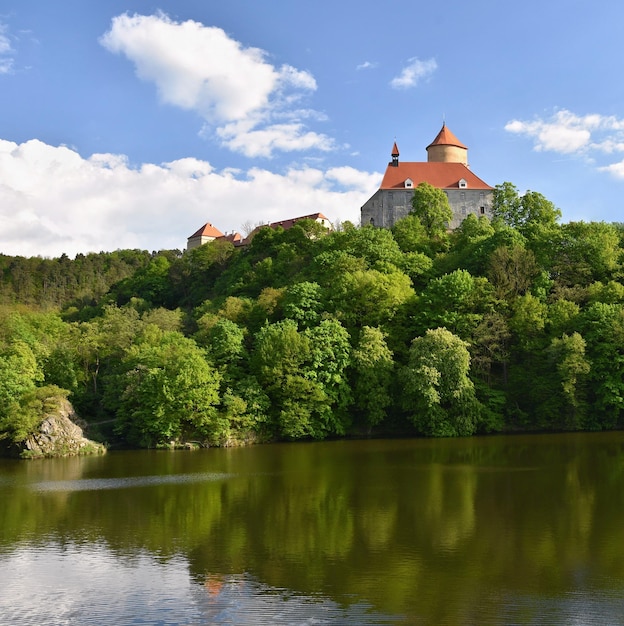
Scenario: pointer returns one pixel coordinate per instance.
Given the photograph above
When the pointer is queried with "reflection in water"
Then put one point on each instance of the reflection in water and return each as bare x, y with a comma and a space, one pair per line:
84, 585
488, 531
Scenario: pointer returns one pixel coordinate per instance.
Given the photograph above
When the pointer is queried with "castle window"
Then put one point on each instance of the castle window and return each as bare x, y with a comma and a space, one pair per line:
462, 183
409, 183
462, 195
482, 210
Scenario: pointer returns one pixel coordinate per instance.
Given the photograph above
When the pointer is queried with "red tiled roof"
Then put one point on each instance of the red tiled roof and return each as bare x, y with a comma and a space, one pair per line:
441, 175
233, 237
286, 224
207, 230
395, 150
446, 138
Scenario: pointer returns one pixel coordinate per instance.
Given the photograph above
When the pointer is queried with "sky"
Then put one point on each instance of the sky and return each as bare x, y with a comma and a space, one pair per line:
131, 123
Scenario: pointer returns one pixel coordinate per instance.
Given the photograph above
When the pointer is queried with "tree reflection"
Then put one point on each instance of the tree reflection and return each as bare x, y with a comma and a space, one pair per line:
427, 529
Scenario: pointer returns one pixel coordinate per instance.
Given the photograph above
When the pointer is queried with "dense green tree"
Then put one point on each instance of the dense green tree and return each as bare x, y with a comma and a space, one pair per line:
523, 212
469, 247
302, 303
375, 246
438, 394
279, 354
411, 235
455, 301
528, 321
611, 292
368, 297
431, 206
568, 356
602, 327
225, 342
532, 215
512, 271
329, 358
166, 389
19, 375
372, 367
304, 375
585, 253
490, 346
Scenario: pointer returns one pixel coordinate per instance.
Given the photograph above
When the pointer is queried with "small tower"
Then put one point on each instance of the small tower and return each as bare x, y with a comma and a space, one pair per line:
446, 148
395, 156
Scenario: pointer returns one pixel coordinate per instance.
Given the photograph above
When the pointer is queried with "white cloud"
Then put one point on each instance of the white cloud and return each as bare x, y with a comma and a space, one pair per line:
591, 136
415, 71
235, 89
54, 201
615, 169
367, 65
568, 133
6, 51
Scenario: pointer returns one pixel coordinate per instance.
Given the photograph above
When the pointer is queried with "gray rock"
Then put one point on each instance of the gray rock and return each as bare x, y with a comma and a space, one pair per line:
60, 434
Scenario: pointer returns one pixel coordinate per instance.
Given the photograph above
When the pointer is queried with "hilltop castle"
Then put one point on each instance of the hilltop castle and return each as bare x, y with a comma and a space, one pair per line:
446, 168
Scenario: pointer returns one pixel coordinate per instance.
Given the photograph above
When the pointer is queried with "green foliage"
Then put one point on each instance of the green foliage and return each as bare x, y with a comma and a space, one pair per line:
455, 301
166, 388
302, 303
329, 357
431, 206
375, 246
411, 235
22, 417
372, 368
225, 342
438, 394
304, 375
369, 297
568, 355
512, 271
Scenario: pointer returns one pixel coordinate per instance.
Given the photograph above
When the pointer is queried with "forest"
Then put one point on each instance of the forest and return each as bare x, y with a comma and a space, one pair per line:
503, 325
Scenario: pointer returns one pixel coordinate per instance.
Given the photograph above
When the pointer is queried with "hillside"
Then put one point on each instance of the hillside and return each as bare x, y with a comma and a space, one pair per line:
513, 324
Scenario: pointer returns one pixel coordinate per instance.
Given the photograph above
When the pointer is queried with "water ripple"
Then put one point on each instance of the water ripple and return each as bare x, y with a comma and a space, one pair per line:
98, 484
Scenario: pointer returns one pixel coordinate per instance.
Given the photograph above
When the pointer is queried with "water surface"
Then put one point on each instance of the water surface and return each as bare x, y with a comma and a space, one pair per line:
488, 531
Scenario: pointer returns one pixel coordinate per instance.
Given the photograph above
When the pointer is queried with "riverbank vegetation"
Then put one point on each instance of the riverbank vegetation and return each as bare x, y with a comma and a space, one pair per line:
509, 324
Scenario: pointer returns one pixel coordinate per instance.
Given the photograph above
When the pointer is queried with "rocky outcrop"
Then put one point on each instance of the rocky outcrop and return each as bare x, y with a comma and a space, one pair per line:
60, 434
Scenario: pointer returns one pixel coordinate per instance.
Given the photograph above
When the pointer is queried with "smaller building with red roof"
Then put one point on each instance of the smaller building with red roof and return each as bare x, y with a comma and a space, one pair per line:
446, 168
209, 233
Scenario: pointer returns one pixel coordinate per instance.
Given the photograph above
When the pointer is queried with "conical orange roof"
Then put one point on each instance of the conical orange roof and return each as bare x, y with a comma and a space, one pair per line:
446, 138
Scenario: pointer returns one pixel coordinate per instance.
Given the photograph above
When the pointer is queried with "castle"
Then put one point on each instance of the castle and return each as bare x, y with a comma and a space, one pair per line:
446, 168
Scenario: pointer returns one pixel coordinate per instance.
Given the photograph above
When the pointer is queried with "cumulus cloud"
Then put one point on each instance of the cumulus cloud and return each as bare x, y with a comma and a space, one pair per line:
415, 71
234, 88
367, 65
6, 51
615, 169
592, 136
54, 201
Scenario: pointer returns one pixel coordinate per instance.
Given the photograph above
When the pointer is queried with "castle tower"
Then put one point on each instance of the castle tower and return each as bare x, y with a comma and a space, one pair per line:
446, 148
395, 156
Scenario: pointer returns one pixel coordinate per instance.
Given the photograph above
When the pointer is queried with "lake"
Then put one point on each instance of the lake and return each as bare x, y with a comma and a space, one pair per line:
525, 529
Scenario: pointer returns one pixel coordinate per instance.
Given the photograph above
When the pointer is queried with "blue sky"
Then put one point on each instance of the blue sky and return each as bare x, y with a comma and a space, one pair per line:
129, 124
